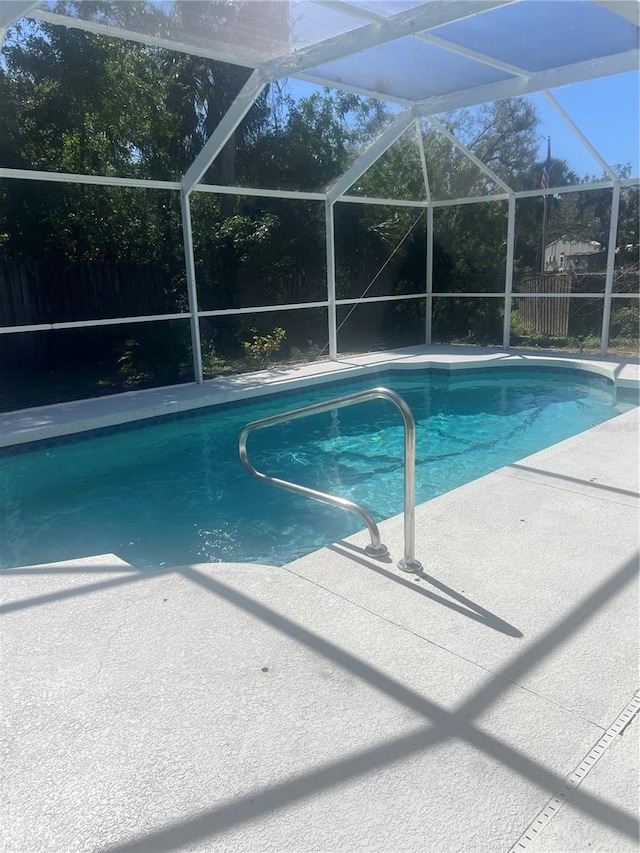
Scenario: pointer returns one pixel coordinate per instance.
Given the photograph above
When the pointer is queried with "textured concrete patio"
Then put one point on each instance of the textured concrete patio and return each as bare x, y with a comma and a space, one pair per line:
338, 704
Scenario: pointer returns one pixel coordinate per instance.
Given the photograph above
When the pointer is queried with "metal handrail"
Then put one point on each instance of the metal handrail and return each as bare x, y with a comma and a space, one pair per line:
409, 562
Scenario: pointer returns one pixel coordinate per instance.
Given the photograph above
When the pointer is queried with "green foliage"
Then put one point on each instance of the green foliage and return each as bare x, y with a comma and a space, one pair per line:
625, 322
155, 356
581, 216
306, 143
629, 226
397, 174
261, 348
76, 102
502, 134
215, 364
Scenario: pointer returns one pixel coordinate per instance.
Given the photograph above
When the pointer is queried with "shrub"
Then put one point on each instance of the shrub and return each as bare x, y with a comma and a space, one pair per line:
261, 348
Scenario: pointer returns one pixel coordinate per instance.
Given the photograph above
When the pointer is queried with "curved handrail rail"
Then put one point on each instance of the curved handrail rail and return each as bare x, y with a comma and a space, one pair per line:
409, 562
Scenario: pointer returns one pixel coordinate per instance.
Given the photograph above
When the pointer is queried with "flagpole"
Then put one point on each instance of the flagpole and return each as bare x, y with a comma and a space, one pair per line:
544, 232
544, 183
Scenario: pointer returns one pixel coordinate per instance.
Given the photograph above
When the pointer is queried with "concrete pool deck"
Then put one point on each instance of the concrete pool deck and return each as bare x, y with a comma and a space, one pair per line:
337, 703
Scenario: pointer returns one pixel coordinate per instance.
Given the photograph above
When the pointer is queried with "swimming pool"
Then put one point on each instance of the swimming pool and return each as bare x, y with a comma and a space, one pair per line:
174, 492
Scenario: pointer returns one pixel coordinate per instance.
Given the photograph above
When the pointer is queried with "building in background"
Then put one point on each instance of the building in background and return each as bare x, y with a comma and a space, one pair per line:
565, 255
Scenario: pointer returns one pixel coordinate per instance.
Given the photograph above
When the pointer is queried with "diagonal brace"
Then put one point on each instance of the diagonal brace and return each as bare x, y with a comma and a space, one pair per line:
372, 153
469, 154
224, 131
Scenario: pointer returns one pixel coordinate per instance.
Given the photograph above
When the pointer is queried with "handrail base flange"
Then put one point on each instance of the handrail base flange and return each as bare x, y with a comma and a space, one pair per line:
382, 551
411, 566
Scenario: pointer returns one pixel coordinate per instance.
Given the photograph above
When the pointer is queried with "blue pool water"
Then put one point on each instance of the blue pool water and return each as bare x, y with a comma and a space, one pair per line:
174, 492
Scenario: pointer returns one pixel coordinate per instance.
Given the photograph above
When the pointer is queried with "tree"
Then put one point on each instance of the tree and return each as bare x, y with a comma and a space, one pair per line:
77, 102
503, 134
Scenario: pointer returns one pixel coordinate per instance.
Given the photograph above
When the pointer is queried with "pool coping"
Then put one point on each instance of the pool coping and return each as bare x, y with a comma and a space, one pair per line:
61, 419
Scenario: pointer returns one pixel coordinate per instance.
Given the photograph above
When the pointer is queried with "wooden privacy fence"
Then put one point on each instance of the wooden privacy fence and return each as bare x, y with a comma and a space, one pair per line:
545, 316
52, 291
557, 316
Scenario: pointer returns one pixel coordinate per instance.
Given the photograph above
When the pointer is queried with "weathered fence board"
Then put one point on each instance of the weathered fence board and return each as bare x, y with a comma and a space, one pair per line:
51, 291
557, 316
48, 291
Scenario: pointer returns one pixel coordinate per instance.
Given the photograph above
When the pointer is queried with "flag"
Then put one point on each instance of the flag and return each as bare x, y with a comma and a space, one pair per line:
546, 169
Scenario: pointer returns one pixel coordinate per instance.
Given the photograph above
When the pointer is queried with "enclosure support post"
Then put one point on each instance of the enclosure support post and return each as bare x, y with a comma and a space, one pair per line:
611, 262
429, 300
429, 235
192, 292
508, 278
331, 279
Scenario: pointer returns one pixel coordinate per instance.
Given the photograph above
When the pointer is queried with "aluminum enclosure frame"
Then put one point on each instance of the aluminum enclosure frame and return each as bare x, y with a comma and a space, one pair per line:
378, 31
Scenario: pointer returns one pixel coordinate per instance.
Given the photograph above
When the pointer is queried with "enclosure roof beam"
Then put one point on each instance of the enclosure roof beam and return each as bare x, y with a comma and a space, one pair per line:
12, 10
627, 9
561, 76
417, 22
96, 180
384, 202
469, 154
357, 90
475, 55
406, 23
372, 153
10, 13
350, 9
512, 88
567, 188
258, 192
221, 53
569, 121
224, 131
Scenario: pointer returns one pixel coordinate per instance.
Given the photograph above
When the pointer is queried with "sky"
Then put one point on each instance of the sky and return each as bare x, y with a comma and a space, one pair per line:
606, 109
607, 112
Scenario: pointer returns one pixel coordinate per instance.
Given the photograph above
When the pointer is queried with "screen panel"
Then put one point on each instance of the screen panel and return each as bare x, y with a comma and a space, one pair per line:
39, 368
